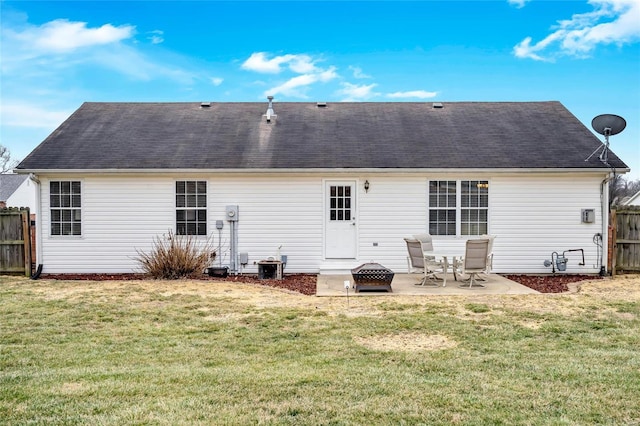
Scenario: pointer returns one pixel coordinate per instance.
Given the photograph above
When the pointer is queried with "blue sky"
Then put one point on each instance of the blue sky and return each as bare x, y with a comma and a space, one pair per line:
56, 55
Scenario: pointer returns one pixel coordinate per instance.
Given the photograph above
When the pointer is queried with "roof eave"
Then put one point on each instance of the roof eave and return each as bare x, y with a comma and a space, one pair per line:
567, 170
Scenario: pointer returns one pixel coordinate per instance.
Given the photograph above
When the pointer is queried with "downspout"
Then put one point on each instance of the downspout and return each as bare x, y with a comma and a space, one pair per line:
604, 197
38, 212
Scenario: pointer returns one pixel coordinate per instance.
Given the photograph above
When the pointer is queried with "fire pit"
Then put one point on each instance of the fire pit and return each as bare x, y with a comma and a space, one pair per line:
372, 276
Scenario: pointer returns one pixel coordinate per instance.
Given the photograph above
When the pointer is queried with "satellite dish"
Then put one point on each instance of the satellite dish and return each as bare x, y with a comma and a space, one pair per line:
608, 124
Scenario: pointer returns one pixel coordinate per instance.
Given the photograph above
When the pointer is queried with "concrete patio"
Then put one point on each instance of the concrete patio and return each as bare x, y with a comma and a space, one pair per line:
405, 285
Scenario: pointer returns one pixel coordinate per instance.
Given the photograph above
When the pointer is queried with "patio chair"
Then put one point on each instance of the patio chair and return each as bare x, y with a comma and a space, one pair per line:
475, 262
418, 262
426, 240
489, 256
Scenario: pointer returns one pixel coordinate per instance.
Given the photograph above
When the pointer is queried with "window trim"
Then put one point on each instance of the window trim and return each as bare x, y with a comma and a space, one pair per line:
70, 208
458, 206
196, 209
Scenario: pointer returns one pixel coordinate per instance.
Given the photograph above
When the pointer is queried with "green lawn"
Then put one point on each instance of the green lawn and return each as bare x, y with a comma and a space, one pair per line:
114, 353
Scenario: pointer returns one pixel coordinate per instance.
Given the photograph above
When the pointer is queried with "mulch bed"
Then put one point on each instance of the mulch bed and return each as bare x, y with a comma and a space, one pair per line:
550, 283
306, 283
300, 283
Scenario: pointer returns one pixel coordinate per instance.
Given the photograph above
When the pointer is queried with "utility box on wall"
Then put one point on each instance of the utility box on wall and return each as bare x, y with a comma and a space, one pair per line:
232, 213
588, 215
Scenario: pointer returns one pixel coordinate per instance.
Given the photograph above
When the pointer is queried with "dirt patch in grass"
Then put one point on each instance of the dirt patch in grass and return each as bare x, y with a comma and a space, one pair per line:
407, 342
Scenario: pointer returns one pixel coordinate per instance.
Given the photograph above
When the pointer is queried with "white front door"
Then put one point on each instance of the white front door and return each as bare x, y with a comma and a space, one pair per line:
340, 220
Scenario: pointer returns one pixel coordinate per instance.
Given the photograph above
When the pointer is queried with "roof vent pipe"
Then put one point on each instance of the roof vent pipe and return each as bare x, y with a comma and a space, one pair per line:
270, 113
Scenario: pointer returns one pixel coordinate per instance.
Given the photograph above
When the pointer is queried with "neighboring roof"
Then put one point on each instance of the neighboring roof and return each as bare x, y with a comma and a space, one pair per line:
9, 183
306, 136
634, 200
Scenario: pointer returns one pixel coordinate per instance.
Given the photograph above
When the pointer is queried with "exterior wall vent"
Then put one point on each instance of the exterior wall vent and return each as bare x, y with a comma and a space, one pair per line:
321, 104
437, 105
588, 215
205, 105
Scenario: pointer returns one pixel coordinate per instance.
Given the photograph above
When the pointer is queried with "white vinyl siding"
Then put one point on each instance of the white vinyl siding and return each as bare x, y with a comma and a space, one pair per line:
120, 216
535, 216
123, 214
394, 208
530, 215
273, 212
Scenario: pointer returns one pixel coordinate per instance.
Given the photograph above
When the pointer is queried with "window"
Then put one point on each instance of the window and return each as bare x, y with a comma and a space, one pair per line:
340, 203
474, 203
442, 207
458, 207
65, 204
191, 207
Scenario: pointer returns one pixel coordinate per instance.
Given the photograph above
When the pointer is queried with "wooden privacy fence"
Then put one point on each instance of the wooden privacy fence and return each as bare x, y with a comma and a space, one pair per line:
626, 245
15, 241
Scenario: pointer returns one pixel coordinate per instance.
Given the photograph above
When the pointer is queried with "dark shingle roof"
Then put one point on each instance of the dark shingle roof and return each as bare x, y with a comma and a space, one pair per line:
8, 185
305, 136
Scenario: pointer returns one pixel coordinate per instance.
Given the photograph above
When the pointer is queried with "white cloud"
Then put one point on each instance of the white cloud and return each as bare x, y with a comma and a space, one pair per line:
357, 72
302, 64
48, 51
420, 94
354, 92
62, 35
518, 3
611, 22
296, 86
258, 62
216, 81
27, 115
328, 74
156, 37
132, 63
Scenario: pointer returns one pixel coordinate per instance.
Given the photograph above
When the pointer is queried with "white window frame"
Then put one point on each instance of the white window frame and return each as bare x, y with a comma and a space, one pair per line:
74, 208
195, 202
444, 202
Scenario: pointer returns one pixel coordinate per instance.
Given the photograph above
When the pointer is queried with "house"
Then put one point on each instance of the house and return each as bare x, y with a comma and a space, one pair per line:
329, 185
634, 200
17, 191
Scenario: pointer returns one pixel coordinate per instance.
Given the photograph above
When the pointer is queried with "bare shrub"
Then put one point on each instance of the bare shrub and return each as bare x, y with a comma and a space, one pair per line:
175, 256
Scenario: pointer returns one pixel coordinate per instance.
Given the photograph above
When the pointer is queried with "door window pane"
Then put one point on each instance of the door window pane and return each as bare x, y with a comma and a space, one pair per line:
340, 203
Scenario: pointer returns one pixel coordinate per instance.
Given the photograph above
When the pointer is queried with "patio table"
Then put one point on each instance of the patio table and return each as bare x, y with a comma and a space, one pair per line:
445, 255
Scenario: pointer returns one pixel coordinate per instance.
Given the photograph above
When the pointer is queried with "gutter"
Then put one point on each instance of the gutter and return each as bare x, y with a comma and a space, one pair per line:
38, 212
318, 170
